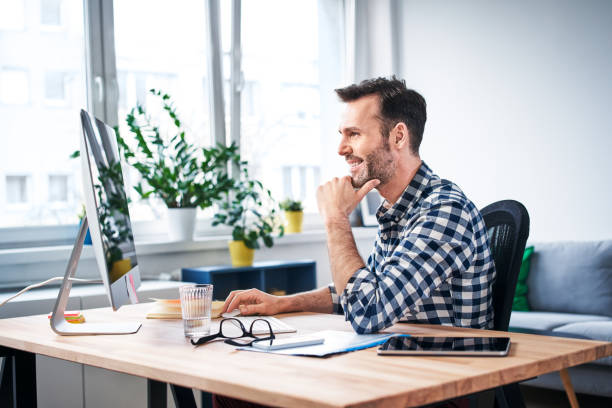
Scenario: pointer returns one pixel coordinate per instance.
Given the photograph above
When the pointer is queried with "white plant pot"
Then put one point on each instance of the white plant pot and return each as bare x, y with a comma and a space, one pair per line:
181, 223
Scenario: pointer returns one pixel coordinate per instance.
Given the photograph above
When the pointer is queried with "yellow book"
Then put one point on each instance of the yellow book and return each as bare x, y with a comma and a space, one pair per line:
171, 309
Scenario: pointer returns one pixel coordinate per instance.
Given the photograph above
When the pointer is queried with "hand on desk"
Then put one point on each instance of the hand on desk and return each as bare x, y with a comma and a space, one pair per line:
253, 301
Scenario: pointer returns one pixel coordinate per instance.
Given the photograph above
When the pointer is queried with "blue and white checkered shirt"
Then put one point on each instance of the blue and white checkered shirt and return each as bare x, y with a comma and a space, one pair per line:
431, 263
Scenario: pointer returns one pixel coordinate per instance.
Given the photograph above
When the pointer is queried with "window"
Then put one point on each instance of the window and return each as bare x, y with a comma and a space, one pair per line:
14, 86
55, 86
16, 189
280, 115
50, 12
172, 59
284, 102
58, 188
38, 134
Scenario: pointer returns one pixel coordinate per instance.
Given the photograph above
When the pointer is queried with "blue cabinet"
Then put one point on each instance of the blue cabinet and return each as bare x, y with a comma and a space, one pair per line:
273, 276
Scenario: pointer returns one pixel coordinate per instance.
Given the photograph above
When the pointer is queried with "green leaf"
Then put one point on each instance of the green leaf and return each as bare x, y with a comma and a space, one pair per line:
268, 241
250, 243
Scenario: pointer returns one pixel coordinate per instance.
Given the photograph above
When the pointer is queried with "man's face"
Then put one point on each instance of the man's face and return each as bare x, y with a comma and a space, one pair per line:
366, 151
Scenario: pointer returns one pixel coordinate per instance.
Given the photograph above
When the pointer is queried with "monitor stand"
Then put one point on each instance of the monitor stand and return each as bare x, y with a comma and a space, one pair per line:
59, 324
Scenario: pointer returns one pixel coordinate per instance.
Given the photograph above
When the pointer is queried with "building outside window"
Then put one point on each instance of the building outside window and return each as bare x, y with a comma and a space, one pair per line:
58, 188
55, 86
51, 12
16, 189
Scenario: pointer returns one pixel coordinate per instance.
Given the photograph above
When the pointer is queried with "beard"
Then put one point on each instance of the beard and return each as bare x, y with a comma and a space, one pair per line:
379, 165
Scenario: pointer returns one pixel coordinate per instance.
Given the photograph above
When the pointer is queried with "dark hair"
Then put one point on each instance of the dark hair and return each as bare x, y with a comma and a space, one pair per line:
397, 104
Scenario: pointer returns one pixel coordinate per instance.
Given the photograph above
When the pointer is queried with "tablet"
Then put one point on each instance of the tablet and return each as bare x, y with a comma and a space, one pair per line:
445, 346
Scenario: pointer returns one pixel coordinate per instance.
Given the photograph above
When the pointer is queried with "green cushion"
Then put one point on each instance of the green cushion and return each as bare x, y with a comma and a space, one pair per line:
520, 294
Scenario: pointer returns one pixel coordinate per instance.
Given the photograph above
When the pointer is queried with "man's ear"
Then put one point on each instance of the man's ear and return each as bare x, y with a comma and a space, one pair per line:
400, 136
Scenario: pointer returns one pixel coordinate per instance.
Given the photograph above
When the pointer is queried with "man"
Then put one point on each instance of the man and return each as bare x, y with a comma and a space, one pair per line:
431, 261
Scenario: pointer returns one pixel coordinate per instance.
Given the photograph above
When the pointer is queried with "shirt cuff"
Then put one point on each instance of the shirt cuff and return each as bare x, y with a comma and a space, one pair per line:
354, 284
335, 299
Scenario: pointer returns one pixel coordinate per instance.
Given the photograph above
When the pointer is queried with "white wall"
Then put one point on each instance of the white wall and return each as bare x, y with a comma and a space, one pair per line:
519, 103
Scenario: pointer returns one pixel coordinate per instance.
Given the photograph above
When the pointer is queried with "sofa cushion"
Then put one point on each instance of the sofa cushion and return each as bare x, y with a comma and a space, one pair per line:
520, 293
596, 330
549, 320
571, 277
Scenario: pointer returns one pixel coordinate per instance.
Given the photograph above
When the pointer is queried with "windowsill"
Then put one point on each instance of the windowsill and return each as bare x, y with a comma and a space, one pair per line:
34, 236
82, 297
163, 246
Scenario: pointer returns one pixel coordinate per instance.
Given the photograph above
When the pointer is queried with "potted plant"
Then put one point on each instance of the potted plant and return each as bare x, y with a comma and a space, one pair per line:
182, 175
252, 213
294, 214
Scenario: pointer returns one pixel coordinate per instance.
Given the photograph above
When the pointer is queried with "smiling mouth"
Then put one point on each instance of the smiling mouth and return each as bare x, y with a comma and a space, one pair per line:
354, 163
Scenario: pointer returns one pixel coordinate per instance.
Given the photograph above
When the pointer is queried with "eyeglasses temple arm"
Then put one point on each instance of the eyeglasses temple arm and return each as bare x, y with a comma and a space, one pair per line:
204, 339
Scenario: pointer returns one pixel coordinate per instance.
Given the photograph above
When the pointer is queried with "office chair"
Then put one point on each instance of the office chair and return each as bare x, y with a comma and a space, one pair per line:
507, 225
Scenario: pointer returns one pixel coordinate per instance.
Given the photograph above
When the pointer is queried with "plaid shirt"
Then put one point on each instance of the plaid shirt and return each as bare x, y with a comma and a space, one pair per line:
431, 263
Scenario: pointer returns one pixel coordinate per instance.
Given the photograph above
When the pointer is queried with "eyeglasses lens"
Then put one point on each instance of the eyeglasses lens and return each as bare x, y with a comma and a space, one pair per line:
261, 327
231, 329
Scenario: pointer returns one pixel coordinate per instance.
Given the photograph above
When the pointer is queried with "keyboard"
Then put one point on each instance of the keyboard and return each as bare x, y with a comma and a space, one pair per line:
277, 325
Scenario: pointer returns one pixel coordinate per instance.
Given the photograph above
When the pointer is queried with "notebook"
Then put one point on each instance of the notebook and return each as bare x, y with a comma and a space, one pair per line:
171, 309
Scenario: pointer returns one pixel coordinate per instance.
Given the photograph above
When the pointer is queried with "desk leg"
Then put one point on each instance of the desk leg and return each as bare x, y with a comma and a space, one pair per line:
569, 389
206, 399
157, 394
509, 396
6, 382
183, 397
18, 382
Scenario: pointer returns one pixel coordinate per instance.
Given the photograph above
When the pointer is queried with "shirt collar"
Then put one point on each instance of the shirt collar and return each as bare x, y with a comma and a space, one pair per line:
409, 197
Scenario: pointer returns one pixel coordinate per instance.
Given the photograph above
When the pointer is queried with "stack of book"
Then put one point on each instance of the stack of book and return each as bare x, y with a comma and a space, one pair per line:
171, 309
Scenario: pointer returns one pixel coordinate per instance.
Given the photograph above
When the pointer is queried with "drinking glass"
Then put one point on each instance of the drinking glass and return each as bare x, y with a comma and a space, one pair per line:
196, 305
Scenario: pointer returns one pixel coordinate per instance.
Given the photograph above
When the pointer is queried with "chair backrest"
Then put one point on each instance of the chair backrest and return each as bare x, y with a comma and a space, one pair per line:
507, 225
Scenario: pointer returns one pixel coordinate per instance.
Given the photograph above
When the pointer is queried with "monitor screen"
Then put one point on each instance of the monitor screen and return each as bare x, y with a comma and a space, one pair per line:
107, 211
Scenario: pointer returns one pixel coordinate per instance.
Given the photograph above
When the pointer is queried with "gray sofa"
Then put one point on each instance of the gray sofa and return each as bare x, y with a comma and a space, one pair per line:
570, 294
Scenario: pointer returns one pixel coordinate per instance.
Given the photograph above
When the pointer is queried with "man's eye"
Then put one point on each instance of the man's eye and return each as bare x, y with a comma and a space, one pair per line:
353, 134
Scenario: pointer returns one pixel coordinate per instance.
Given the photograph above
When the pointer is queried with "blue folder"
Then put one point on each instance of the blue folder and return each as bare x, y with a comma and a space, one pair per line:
335, 342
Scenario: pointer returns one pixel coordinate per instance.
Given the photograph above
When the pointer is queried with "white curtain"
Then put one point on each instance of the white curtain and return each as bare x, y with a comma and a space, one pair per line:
371, 38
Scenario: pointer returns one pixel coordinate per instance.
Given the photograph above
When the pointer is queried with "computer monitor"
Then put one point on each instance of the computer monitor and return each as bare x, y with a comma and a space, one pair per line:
108, 219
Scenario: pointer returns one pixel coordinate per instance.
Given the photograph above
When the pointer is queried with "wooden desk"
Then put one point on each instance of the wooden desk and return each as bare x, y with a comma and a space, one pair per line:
160, 352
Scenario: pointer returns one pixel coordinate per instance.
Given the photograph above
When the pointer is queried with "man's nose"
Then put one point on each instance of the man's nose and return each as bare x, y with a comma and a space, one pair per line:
344, 149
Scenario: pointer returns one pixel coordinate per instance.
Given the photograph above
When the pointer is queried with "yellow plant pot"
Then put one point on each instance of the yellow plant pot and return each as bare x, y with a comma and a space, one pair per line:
241, 255
294, 221
120, 268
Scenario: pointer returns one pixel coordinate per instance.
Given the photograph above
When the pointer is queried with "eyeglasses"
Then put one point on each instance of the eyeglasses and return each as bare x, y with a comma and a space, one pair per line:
228, 330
